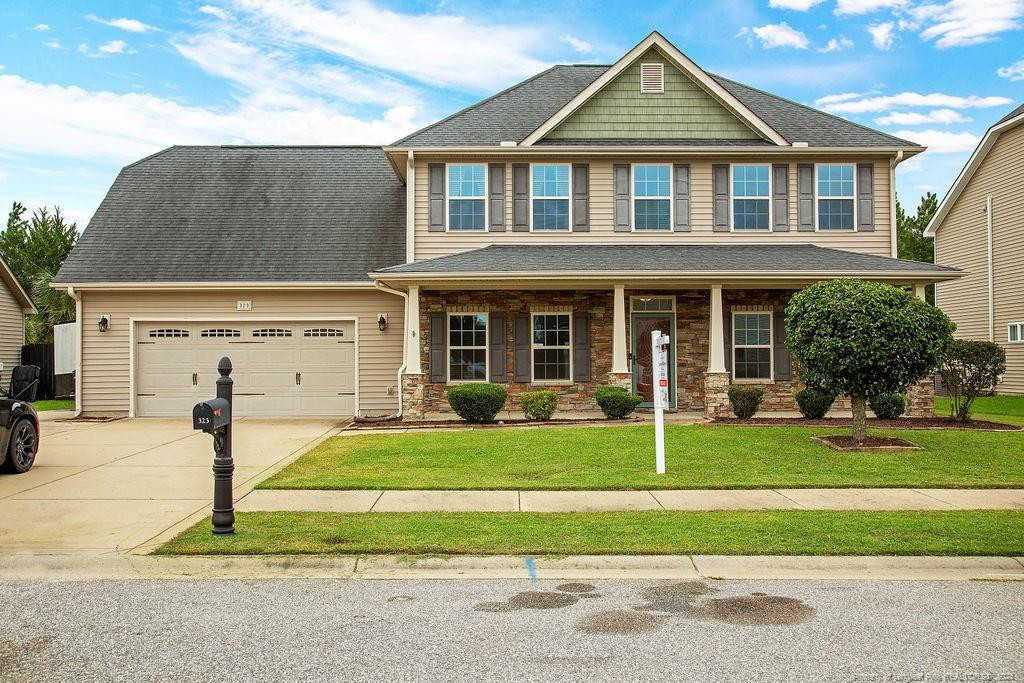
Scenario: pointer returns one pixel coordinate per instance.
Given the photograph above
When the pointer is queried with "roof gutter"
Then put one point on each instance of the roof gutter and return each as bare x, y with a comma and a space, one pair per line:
264, 285
662, 274
654, 150
893, 244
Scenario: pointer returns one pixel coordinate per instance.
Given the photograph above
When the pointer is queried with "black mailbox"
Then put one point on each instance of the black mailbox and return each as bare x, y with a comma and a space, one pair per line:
210, 415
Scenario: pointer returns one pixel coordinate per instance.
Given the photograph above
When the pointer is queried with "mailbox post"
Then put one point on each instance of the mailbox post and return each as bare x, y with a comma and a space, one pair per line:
214, 418
659, 353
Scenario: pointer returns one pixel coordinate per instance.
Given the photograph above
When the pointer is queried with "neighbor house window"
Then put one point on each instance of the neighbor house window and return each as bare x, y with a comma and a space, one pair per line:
835, 196
752, 345
1015, 333
751, 190
467, 347
466, 199
551, 349
652, 197
550, 190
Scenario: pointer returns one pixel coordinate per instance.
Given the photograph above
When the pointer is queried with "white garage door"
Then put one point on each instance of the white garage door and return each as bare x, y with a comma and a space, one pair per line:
288, 369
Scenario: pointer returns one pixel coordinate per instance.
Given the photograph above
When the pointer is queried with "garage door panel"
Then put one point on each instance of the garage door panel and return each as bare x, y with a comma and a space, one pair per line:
334, 405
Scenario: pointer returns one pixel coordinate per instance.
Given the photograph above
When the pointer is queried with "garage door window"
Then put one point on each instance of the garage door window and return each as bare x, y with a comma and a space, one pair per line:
167, 332
324, 332
272, 332
219, 332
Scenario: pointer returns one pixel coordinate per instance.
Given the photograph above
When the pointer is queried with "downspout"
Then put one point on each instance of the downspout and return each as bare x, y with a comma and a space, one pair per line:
405, 346
893, 228
78, 359
991, 273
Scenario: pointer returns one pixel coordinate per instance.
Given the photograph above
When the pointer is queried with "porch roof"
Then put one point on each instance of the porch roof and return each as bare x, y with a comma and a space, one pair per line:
568, 261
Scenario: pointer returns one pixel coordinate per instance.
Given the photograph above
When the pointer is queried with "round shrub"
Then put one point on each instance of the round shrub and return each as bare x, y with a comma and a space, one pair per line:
814, 403
887, 406
477, 402
745, 400
539, 405
616, 403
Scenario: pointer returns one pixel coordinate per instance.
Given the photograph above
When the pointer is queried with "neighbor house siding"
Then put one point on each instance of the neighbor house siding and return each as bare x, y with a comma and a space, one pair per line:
961, 241
431, 244
12, 331
105, 355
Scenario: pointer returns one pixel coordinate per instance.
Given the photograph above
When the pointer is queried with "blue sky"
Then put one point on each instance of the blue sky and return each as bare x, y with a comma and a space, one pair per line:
87, 87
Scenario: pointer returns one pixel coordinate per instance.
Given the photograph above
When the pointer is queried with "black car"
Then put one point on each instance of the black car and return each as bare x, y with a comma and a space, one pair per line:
19, 423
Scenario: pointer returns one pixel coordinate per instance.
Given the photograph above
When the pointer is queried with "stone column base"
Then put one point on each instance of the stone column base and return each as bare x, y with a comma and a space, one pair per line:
716, 394
412, 396
621, 379
921, 399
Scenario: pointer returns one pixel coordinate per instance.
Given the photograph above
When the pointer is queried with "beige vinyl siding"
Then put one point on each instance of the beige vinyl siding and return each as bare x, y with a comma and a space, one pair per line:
961, 241
105, 356
12, 331
433, 244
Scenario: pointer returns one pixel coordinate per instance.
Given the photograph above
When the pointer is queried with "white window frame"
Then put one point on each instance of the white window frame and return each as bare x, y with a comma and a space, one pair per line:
661, 67
449, 347
1020, 333
568, 197
732, 198
448, 197
817, 197
771, 345
534, 346
640, 297
633, 198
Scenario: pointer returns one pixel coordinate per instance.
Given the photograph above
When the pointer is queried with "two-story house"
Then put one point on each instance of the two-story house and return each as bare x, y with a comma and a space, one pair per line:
534, 239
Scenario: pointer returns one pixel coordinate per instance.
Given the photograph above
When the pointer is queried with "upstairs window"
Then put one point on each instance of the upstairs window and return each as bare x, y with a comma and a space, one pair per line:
751, 190
549, 186
652, 197
467, 347
752, 346
466, 199
835, 196
1015, 333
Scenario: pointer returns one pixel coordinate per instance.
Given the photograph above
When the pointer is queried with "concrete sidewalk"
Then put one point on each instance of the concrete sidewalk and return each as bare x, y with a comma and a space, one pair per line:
594, 501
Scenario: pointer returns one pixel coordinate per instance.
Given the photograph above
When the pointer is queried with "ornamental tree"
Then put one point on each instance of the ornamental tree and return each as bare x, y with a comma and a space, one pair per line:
970, 369
863, 338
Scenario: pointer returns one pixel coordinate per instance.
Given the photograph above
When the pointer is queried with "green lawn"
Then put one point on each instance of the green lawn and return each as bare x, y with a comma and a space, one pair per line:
54, 405
995, 408
788, 532
697, 456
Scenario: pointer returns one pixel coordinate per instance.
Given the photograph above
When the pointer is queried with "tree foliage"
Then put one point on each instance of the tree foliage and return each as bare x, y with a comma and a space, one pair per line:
911, 242
971, 368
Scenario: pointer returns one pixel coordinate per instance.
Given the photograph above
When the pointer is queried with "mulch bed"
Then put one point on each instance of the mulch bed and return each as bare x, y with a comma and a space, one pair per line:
845, 442
900, 423
426, 424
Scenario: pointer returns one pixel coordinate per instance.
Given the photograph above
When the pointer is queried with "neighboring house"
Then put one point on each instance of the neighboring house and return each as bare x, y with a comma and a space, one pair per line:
15, 305
534, 239
979, 227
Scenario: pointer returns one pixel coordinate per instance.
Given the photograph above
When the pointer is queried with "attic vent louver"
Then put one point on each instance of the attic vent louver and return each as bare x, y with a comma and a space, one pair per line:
652, 78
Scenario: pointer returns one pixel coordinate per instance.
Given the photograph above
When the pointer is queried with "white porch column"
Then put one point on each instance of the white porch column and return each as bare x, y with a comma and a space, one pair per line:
619, 364
919, 292
412, 331
716, 352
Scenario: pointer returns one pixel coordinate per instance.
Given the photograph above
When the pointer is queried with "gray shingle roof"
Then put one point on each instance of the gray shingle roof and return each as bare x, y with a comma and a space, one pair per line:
1016, 112
209, 214
675, 258
516, 112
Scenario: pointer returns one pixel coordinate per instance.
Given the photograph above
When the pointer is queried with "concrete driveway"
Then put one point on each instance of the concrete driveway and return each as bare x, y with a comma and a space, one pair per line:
102, 487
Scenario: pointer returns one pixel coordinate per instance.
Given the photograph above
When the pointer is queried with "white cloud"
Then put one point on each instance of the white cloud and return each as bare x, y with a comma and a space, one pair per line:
837, 45
42, 27
940, 141
114, 47
839, 97
214, 12
968, 22
53, 44
911, 118
581, 46
130, 25
1015, 72
866, 6
798, 5
778, 35
857, 105
882, 35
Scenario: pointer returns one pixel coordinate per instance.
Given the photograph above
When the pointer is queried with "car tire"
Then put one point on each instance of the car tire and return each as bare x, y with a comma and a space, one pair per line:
22, 449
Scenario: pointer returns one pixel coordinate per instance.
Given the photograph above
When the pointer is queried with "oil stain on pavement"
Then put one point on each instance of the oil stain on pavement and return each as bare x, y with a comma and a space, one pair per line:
618, 622
564, 595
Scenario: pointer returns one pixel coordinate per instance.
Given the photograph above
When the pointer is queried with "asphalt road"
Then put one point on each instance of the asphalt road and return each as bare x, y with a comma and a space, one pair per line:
323, 630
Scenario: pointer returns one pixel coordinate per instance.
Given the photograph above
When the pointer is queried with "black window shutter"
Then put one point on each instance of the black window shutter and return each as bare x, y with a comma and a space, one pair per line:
581, 347
498, 346
435, 180
682, 198
620, 186
496, 196
438, 345
520, 197
783, 359
805, 200
581, 197
523, 371
780, 198
727, 336
720, 184
866, 197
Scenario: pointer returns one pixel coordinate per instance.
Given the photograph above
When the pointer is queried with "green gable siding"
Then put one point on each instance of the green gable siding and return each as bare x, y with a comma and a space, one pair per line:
685, 111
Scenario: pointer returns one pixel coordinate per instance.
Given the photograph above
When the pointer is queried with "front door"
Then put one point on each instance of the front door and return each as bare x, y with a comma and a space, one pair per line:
643, 361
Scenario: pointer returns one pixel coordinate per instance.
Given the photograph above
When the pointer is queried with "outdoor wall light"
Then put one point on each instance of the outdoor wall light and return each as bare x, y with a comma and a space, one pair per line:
104, 323
382, 322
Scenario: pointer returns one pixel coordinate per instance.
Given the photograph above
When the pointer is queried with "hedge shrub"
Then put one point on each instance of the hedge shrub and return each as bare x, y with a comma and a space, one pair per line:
745, 401
477, 402
887, 406
616, 403
814, 403
539, 405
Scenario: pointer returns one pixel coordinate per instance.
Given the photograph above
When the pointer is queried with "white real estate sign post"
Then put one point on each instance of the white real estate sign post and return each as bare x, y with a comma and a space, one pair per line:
659, 354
